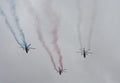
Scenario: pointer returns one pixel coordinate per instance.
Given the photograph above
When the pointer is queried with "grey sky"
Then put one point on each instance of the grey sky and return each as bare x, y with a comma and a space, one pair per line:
35, 67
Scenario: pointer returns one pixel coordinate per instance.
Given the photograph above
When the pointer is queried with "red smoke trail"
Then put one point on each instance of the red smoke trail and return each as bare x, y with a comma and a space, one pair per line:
37, 23
55, 20
43, 42
55, 33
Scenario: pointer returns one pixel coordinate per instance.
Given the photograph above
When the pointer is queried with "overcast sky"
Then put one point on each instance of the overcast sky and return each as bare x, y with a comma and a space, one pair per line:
35, 67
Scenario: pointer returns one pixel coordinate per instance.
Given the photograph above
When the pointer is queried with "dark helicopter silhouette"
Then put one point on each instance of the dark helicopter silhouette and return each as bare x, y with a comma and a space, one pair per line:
60, 71
27, 48
85, 52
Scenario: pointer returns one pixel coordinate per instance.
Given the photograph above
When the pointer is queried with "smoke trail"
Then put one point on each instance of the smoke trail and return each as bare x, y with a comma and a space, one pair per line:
55, 33
55, 20
92, 24
16, 18
47, 49
37, 23
87, 18
78, 25
9, 26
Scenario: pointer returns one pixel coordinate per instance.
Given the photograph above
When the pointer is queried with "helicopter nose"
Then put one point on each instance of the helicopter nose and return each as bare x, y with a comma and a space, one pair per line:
26, 51
59, 73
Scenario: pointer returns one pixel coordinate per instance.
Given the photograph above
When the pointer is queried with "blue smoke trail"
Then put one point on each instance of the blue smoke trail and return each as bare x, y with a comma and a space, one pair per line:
13, 10
9, 26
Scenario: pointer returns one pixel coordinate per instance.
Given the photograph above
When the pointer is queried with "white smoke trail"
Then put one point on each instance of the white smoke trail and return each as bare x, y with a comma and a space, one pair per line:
87, 13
